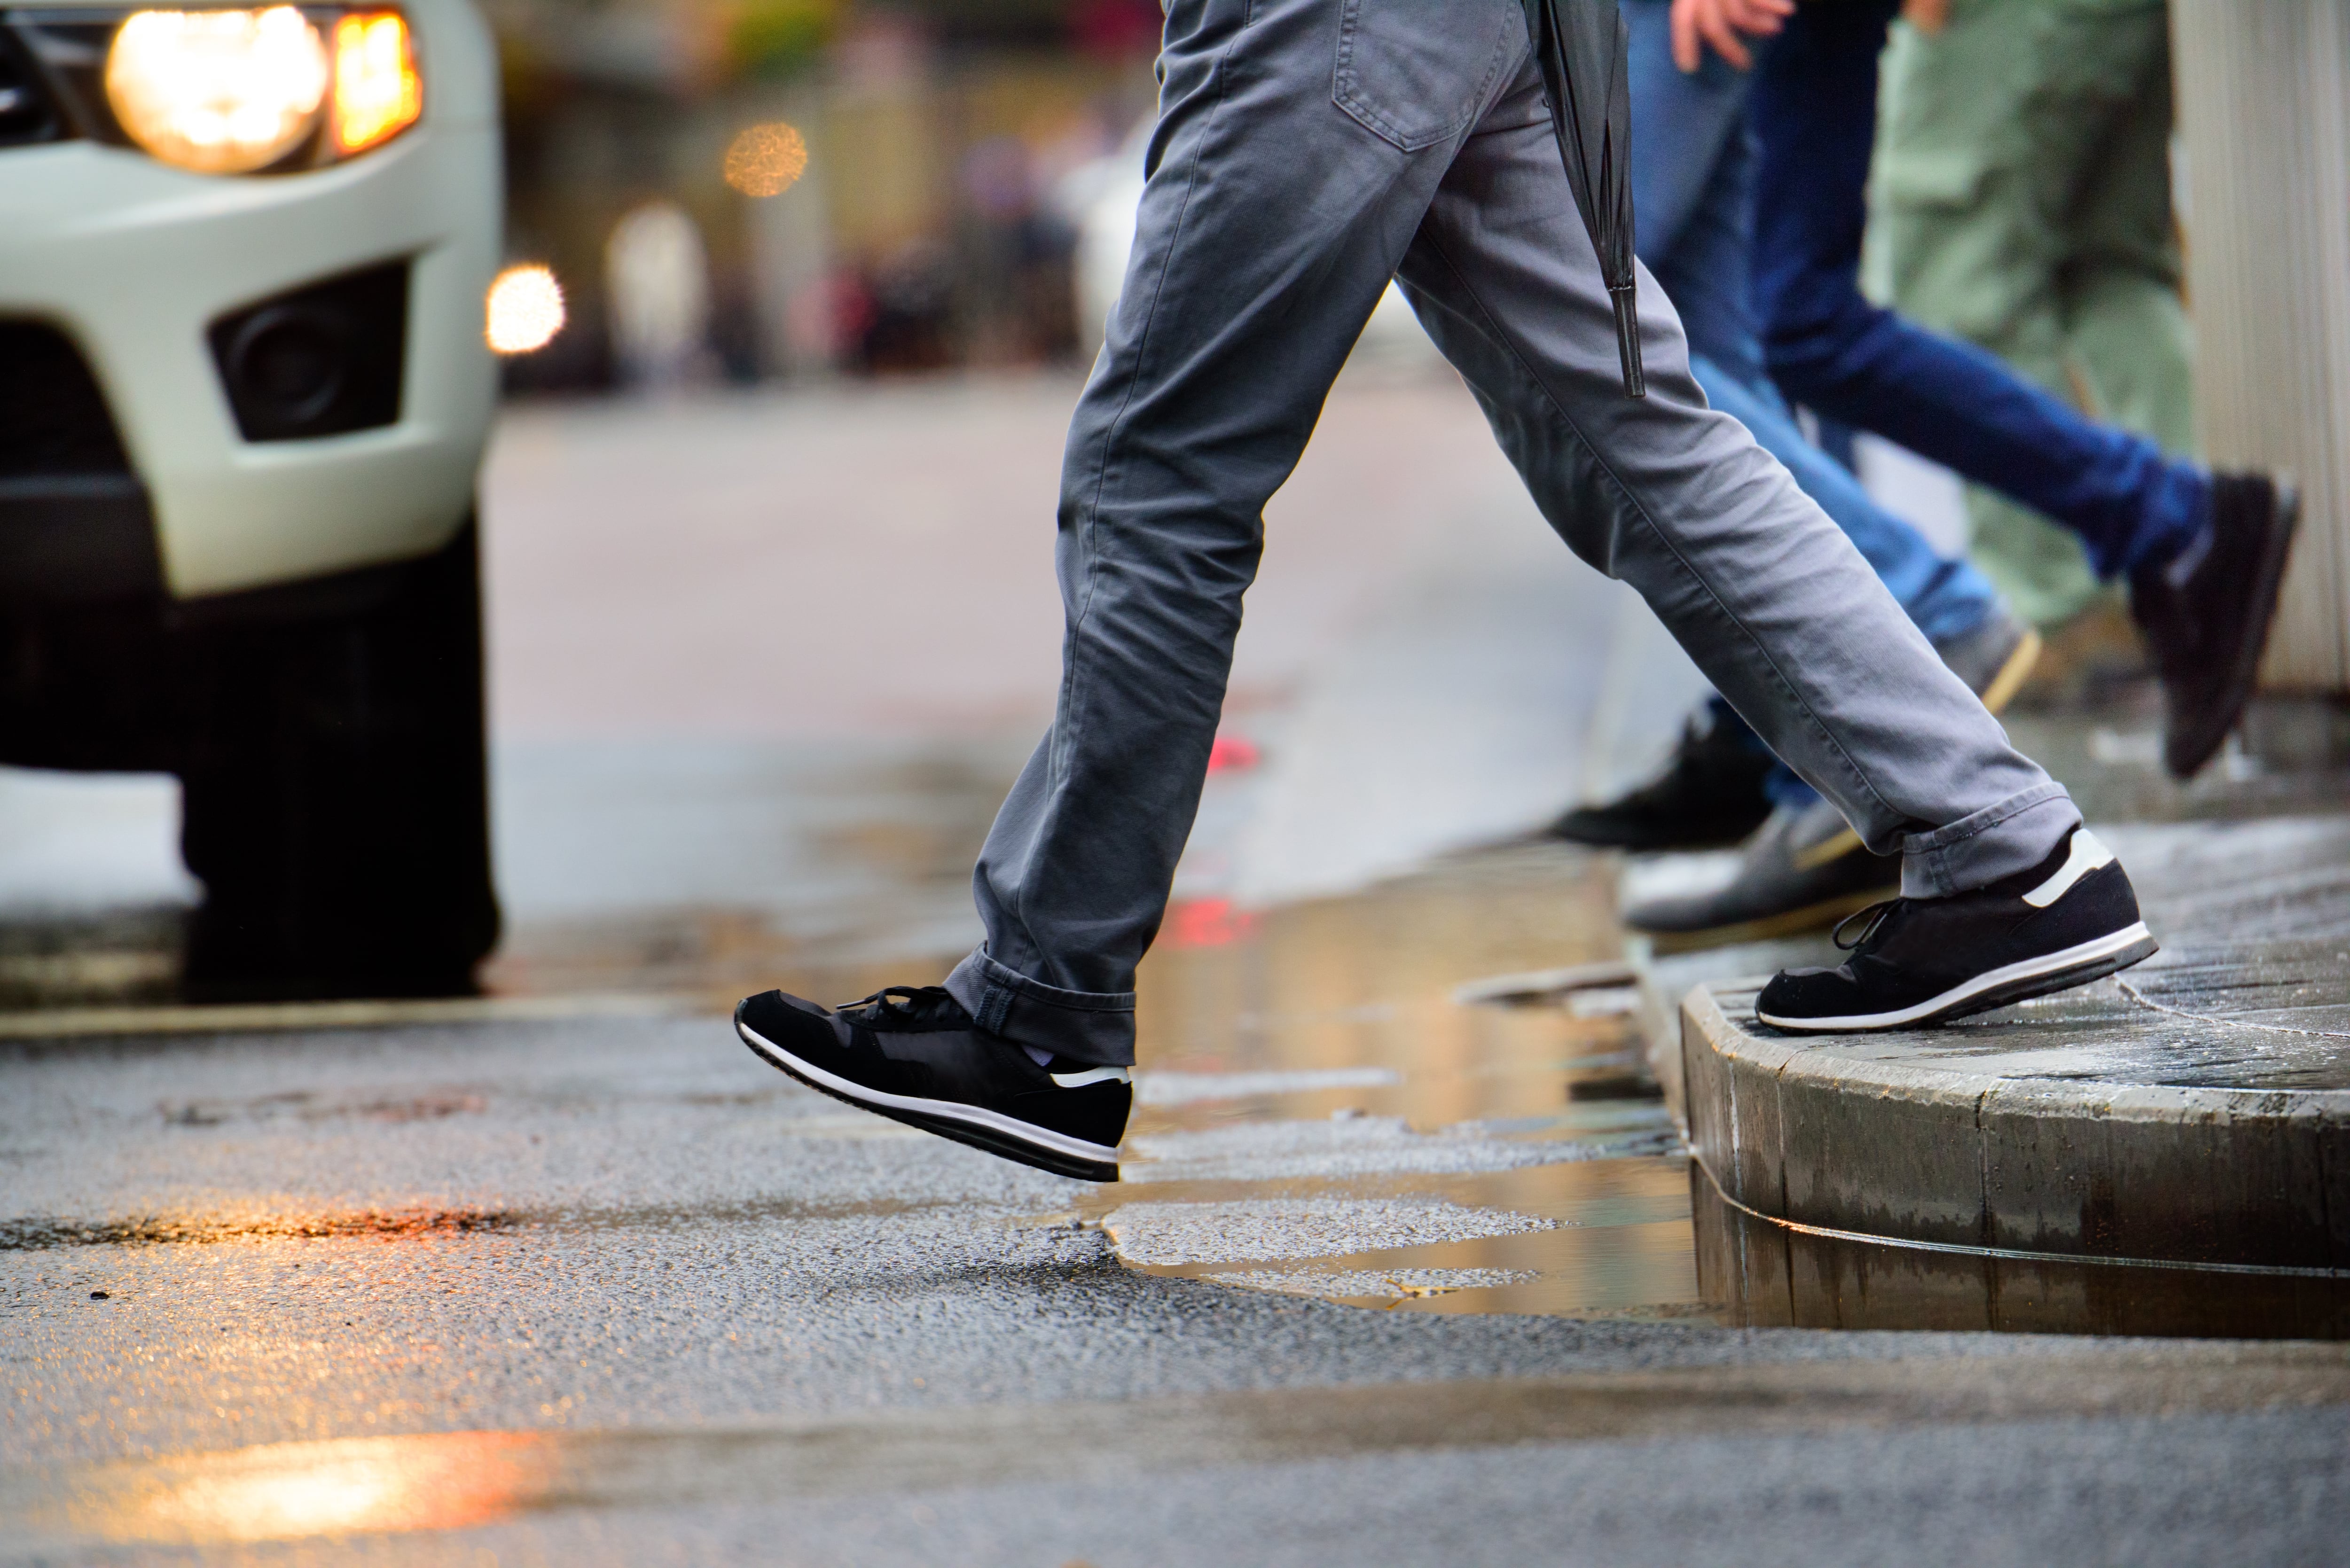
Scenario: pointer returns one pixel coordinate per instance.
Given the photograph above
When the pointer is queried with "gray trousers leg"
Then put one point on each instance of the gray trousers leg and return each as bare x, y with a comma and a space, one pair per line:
1306, 151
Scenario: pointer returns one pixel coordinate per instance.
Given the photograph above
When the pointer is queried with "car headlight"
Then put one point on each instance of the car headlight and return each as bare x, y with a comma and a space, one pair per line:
227, 92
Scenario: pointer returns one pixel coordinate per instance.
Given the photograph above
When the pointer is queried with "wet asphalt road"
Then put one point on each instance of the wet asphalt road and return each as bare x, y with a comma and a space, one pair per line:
607, 1290
604, 1289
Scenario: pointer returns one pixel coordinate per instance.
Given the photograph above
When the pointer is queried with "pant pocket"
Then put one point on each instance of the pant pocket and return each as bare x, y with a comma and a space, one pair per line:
1416, 72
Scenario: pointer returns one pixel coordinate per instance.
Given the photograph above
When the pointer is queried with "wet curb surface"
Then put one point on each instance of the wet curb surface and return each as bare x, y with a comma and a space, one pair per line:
2075, 1166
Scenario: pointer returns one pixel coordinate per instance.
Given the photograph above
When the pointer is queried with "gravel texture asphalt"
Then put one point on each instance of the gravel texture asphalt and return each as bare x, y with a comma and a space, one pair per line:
669, 1307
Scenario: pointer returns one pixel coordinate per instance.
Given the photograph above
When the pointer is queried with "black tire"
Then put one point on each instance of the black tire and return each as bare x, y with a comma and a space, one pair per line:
336, 792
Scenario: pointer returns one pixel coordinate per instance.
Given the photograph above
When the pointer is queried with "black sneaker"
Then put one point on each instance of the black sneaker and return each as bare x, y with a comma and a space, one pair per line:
1804, 871
1708, 795
913, 1055
2206, 615
1919, 961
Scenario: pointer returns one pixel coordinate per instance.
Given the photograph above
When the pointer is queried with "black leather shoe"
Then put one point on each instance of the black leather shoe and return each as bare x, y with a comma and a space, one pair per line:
913, 1055
2206, 618
1920, 961
1806, 870
1708, 795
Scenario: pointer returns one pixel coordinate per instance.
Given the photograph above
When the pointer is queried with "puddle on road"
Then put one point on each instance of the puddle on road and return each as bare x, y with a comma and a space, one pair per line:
1320, 1113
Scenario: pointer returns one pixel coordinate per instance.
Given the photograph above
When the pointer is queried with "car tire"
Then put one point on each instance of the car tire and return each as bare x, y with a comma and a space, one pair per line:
336, 799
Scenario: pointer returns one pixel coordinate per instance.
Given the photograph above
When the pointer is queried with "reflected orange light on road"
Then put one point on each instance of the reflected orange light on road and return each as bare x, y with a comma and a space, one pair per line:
765, 160
362, 1485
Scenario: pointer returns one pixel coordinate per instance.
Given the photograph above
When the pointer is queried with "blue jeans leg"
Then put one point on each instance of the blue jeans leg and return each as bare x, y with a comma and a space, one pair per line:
1946, 599
1813, 112
1693, 191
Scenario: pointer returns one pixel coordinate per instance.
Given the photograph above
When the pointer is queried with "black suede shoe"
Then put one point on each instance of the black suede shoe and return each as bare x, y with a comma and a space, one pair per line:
1920, 961
1806, 870
1709, 793
2206, 614
913, 1055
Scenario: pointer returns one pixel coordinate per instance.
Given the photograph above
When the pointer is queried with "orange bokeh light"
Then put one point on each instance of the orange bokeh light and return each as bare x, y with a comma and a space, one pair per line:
378, 93
765, 160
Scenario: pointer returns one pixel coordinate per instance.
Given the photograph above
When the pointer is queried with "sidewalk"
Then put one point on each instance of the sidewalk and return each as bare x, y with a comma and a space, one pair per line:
2167, 1151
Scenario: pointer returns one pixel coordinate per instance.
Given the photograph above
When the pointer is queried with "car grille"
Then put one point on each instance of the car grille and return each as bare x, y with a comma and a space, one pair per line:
53, 418
27, 115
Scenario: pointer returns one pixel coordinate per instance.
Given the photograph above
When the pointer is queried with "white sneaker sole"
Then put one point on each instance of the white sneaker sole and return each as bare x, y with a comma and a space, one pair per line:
1996, 988
974, 1125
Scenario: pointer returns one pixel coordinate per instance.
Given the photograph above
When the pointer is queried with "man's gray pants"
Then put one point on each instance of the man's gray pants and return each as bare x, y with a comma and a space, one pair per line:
1305, 152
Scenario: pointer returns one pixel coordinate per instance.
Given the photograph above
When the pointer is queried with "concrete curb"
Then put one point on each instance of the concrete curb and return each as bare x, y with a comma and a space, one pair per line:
1954, 1195
1828, 1133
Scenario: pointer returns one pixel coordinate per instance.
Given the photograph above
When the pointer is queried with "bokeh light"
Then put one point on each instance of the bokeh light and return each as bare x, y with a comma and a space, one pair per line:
765, 159
525, 309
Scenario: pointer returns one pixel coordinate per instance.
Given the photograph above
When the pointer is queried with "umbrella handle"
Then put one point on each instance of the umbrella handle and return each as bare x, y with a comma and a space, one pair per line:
1628, 336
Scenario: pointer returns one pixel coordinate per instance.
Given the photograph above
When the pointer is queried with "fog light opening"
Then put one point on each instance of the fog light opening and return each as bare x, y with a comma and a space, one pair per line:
291, 361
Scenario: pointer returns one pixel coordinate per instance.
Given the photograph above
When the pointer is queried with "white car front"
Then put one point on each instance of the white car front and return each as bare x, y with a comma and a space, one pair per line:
244, 396
135, 261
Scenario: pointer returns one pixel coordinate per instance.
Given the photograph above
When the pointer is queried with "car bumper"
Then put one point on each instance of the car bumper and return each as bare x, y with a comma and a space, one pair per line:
134, 260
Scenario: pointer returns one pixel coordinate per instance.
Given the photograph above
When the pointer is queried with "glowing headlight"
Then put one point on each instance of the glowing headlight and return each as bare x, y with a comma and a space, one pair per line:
378, 93
217, 91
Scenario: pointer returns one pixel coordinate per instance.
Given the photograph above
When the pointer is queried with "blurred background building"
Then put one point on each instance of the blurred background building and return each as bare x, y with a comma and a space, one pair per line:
745, 190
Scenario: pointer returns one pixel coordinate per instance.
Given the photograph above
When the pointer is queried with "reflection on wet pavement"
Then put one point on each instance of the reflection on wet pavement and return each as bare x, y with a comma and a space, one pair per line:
1402, 1099
286, 1491
438, 1481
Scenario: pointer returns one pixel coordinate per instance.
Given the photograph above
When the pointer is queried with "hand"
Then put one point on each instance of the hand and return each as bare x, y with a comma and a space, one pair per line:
1697, 23
1927, 15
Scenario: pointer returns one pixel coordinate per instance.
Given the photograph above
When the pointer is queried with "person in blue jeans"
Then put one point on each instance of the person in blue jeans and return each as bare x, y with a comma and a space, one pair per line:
2203, 553
1693, 197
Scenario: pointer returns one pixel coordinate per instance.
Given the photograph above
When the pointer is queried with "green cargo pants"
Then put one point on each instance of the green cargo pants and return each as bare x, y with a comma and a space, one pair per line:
2020, 200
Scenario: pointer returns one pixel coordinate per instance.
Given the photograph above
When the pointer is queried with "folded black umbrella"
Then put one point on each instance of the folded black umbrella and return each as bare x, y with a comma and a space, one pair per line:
1580, 45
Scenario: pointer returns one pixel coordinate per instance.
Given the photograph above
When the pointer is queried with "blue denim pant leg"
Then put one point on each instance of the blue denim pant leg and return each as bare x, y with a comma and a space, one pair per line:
1946, 597
1692, 194
1814, 113
1693, 191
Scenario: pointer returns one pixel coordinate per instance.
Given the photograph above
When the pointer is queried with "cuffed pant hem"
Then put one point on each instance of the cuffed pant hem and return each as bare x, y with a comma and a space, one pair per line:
1998, 841
1094, 1026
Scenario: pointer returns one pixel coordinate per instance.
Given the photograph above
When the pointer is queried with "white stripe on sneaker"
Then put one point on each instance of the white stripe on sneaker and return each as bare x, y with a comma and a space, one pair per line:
1092, 1075
2087, 953
2088, 855
945, 1110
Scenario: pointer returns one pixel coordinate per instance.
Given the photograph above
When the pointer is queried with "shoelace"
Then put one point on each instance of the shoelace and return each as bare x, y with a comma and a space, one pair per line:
1875, 915
909, 1001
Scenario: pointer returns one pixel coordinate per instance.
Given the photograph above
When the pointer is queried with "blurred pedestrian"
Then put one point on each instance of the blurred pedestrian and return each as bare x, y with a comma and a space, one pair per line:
1306, 151
2020, 200
656, 273
2203, 553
